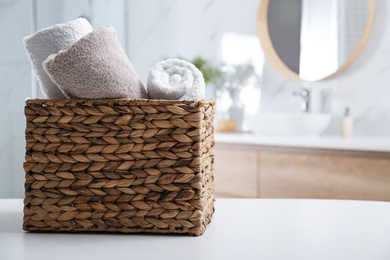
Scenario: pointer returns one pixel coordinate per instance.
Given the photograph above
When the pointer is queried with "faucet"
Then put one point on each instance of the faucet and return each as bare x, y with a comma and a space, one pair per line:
305, 103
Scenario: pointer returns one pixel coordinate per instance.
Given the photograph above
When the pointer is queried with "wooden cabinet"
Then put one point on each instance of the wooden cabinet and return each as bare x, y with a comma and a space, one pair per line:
301, 173
235, 173
289, 175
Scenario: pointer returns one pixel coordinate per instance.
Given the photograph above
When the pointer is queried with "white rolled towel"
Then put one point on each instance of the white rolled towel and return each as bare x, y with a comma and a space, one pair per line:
175, 79
49, 41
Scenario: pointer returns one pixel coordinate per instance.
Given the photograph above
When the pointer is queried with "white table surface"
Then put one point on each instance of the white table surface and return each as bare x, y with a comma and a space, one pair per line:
241, 229
355, 143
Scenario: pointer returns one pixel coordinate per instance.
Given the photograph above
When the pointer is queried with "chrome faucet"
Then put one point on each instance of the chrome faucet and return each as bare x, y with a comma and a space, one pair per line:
305, 103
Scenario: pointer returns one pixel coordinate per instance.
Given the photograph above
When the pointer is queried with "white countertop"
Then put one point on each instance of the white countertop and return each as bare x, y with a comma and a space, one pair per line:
358, 143
241, 229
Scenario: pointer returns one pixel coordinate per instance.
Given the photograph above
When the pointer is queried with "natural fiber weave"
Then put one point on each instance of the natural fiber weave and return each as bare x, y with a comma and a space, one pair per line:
119, 165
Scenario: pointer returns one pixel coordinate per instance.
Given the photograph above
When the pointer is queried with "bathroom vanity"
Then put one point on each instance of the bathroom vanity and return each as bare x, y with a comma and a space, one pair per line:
250, 166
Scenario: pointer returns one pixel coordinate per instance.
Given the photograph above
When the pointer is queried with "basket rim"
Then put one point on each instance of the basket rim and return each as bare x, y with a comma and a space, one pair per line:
122, 102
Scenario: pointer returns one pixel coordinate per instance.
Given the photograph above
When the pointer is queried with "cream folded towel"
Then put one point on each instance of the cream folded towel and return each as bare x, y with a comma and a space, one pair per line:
175, 79
95, 67
51, 40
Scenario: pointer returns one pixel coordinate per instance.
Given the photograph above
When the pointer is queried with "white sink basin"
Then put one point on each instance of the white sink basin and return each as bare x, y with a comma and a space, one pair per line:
289, 124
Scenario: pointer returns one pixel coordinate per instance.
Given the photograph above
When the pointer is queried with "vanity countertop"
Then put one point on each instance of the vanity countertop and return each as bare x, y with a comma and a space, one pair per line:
240, 229
357, 143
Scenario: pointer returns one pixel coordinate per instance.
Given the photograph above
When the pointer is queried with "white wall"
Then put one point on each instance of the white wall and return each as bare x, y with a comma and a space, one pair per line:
15, 78
15, 72
171, 28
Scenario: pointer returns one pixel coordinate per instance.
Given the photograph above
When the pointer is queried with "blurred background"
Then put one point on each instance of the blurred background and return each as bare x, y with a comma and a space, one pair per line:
281, 120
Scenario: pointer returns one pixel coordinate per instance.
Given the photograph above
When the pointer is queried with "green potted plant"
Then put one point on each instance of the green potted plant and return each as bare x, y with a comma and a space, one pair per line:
211, 73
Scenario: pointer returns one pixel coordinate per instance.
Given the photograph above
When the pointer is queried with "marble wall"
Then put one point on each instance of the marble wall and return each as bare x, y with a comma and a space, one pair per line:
15, 78
156, 29
15, 71
171, 28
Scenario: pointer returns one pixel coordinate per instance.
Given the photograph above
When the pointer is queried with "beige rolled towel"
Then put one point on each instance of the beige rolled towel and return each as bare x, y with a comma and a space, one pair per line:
94, 67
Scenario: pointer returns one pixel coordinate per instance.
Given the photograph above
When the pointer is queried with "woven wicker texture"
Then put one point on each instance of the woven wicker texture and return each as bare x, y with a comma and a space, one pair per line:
119, 165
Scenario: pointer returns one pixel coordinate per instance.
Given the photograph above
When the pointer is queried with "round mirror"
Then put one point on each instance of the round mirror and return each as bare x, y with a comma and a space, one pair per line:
313, 39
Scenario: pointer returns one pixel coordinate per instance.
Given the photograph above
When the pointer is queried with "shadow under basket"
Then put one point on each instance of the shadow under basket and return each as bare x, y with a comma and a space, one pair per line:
119, 165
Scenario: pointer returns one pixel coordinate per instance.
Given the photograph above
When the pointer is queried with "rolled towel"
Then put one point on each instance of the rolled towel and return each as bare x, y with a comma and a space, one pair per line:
51, 40
95, 67
175, 79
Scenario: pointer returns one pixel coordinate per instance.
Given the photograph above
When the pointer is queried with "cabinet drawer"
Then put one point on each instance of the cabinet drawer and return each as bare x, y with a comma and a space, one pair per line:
235, 173
289, 175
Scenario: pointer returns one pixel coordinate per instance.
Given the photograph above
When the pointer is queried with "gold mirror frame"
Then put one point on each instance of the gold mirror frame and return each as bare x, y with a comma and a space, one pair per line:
274, 59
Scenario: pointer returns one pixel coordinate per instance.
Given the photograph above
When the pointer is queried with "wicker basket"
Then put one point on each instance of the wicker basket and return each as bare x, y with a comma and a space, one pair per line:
119, 165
